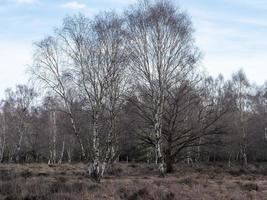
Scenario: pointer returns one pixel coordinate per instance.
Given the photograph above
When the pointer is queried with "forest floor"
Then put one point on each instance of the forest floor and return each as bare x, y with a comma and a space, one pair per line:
132, 182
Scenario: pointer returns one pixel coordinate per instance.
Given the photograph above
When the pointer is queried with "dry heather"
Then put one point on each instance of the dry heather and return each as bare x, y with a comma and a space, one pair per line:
131, 182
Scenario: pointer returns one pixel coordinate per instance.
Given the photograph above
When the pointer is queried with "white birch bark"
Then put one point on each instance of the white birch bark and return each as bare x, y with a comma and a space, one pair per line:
158, 130
75, 130
19, 143
53, 138
69, 155
95, 170
62, 152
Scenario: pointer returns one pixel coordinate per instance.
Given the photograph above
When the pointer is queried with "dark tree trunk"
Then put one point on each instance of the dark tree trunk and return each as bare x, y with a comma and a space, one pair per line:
169, 156
169, 164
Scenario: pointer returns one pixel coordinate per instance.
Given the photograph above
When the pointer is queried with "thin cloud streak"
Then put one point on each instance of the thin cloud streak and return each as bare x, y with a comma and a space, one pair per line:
26, 1
255, 4
74, 5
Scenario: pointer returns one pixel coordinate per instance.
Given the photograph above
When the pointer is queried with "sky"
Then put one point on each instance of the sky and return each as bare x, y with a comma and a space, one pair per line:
231, 34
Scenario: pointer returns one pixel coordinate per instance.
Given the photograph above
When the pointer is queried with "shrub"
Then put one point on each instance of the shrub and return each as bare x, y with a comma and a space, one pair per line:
249, 186
26, 174
6, 188
140, 194
114, 170
186, 181
6, 175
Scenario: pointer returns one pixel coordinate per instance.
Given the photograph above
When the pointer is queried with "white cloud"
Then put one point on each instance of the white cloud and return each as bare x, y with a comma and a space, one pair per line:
26, 1
124, 1
256, 4
232, 41
73, 5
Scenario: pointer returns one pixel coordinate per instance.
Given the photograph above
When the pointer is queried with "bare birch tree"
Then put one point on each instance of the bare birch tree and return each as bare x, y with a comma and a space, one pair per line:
111, 36
21, 100
48, 68
97, 54
162, 51
241, 85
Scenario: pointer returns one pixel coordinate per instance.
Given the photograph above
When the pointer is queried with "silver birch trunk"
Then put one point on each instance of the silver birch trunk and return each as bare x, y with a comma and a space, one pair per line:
69, 155
62, 152
108, 153
189, 159
95, 170
18, 146
54, 130
158, 130
53, 138
75, 130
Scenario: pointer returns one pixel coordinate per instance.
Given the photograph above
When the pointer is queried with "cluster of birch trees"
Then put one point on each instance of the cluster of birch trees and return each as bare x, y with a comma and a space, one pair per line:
129, 87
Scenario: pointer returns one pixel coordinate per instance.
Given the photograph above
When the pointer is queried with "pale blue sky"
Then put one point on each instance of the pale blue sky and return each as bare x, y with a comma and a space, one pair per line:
230, 33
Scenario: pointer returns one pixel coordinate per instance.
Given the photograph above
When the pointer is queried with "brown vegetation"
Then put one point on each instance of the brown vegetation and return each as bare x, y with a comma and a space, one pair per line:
132, 182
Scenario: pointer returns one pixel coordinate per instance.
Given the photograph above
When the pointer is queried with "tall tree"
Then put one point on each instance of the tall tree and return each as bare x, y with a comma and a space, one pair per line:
241, 86
49, 69
20, 102
162, 51
98, 58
